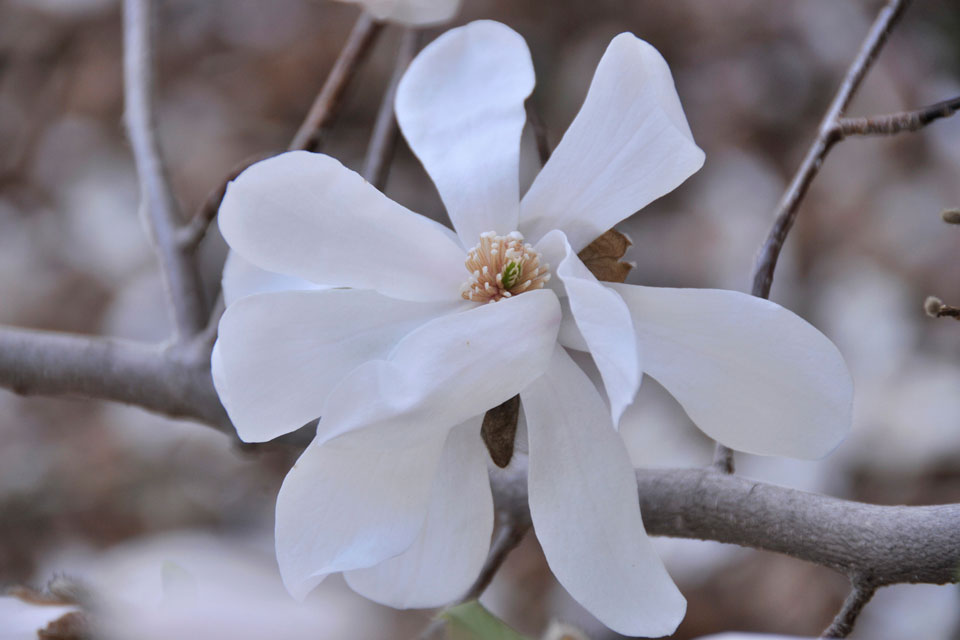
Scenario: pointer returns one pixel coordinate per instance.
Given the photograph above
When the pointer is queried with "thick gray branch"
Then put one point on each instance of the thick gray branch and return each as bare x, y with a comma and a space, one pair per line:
878, 545
181, 274
171, 381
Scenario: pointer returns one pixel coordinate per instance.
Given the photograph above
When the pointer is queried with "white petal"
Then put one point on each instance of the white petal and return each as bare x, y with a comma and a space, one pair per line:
278, 355
460, 106
448, 370
243, 278
306, 215
22, 620
603, 321
416, 13
448, 554
748, 372
585, 507
629, 145
346, 505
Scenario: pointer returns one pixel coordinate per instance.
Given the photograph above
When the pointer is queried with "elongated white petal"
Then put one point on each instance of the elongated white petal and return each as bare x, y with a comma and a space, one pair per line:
585, 507
460, 106
278, 355
416, 13
243, 278
447, 556
603, 321
306, 215
448, 370
346, 505
629, 145
748, 372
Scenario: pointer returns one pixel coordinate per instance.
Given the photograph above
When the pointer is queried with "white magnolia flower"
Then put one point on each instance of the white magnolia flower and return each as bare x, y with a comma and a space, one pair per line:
403, 359
418, 13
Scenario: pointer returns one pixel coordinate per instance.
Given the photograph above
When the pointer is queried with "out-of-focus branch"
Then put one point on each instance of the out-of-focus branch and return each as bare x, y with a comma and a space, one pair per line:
827, 135
842, 625
327, 103
192, 233
173, 381
894, 123
181, 273
309, 135
383, 140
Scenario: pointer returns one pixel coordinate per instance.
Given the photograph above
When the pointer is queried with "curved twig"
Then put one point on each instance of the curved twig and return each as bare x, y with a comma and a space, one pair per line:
181, 274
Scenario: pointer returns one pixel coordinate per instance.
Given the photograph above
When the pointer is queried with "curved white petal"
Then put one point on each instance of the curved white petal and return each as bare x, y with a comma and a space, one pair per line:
346, 505
460, 107
243, 278
306, 215
415, 13
448, 370
585, 507
603, 321
448, 554
278, 355
628, 145
748, 372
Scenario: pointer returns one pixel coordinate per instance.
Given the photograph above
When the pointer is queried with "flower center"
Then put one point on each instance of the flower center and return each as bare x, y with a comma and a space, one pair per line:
501, 267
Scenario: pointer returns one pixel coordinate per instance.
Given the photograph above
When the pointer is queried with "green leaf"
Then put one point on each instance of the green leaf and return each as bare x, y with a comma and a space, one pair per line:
471, 621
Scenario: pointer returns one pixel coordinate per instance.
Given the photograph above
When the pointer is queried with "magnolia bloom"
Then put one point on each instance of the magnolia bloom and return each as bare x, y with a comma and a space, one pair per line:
420, 330
417, 13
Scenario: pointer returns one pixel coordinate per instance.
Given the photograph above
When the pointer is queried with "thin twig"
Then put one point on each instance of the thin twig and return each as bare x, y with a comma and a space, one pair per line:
894, 123
327, 103
828, 134
842, 624
509, 535
383, 140
181, 273
309, 135
191, 234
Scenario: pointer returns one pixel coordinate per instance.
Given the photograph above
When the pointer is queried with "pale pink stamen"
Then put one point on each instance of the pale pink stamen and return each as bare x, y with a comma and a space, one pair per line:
496, 258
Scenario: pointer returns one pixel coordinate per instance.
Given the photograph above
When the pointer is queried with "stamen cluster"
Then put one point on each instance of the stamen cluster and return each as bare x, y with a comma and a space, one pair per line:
501, 267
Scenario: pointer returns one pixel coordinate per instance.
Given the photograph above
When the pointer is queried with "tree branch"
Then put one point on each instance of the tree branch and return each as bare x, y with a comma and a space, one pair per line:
172, 381
181, 274
309, 135
879, 545
842, 624
327, 103
383, 140
894, 123
827, 136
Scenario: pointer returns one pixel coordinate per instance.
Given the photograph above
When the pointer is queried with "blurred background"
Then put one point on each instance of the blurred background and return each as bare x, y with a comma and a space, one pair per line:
89, 488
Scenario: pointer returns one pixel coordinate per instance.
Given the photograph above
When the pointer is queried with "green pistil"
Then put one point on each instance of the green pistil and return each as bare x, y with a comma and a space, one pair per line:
511, 273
